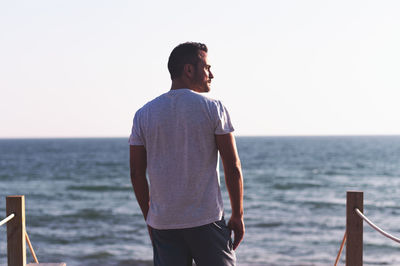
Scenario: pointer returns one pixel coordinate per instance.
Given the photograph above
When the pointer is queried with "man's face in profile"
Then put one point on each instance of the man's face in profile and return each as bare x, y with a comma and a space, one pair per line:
202, 79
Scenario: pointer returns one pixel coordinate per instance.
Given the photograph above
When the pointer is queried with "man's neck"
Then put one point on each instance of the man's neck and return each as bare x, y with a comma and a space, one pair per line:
180, 84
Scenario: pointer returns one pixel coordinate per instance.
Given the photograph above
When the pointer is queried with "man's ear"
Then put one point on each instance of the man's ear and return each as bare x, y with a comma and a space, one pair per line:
188, 70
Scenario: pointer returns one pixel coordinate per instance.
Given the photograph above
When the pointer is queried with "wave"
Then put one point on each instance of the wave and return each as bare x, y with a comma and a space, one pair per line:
289, 186
99, 188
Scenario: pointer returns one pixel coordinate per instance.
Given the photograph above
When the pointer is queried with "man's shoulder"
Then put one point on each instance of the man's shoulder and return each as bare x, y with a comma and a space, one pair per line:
206, 99
151, 103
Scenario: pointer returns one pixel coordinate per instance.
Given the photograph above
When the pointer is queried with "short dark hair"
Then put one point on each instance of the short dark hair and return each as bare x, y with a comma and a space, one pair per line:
184, 53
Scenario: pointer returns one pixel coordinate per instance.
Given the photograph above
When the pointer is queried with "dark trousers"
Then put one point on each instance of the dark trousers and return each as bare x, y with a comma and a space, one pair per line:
207, 245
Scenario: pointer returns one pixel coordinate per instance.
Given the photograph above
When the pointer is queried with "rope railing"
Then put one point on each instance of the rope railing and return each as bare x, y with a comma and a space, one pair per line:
8, 218
31, 248
341, 249
375, 226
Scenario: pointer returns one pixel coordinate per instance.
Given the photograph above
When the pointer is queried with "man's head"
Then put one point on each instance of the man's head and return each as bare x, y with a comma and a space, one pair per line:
188, 64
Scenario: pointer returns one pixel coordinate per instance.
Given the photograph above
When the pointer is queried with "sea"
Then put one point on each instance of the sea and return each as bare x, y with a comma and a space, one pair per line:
81, 209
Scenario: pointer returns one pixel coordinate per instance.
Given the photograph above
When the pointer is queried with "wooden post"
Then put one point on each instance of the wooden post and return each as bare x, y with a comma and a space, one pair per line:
16, 246
354, 229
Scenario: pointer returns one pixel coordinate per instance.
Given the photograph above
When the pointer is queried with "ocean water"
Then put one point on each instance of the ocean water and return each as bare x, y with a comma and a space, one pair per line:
80, 207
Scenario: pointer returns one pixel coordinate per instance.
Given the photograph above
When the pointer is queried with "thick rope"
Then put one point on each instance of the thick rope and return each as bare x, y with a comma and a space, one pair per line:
341, 248
31, 248
8, 218
376, 227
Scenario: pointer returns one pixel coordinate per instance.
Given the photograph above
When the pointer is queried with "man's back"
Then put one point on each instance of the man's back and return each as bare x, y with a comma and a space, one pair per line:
178, 131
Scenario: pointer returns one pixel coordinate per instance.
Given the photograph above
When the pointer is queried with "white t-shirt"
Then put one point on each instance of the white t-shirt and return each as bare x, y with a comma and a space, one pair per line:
178, 131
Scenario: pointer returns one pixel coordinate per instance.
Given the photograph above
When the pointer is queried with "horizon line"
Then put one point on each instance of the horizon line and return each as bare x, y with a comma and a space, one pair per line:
240, 135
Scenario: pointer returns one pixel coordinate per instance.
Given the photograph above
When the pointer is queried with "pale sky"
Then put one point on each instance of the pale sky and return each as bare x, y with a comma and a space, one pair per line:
82, 68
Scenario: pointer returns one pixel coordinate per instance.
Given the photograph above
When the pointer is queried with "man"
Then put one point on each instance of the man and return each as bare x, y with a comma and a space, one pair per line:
176, 138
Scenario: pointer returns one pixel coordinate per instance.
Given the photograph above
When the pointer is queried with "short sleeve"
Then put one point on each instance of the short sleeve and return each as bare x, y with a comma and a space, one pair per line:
224, 124
136, 137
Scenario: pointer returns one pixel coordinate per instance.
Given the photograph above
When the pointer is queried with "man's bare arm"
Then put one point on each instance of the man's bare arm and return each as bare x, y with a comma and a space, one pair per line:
234, 182
138, 165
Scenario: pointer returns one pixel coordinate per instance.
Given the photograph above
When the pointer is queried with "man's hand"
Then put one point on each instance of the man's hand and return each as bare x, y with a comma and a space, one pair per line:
237, 226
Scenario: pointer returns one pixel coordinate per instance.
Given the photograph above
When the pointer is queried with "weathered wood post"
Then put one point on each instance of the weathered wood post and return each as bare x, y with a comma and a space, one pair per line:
354, 229
16, 246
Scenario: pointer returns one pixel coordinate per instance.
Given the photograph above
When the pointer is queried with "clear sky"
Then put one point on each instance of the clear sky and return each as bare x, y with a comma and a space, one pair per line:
82, 68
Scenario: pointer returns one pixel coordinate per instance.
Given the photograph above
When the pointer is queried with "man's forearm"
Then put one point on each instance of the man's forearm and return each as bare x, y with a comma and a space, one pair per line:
141, 189
234, 184
233, 171
138, 166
